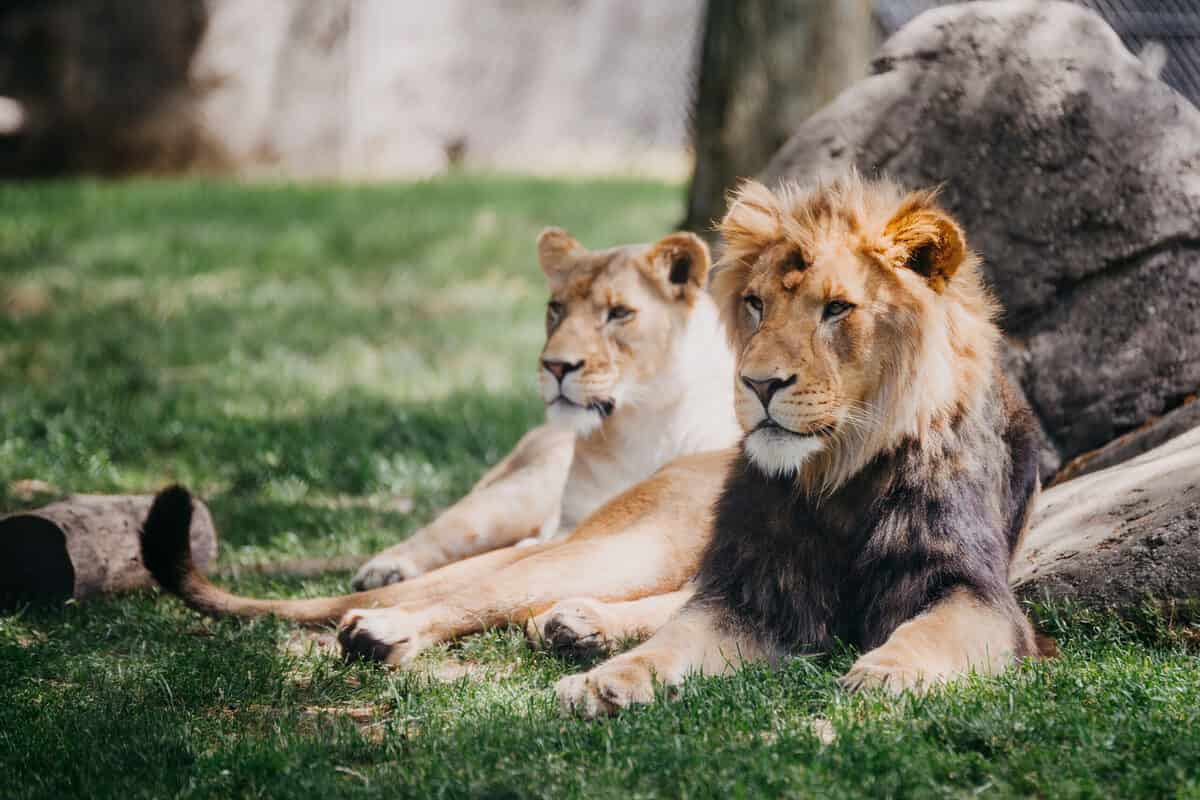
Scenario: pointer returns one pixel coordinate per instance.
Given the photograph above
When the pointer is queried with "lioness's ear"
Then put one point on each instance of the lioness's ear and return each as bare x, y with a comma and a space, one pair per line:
680, 263
927, 240
555, 249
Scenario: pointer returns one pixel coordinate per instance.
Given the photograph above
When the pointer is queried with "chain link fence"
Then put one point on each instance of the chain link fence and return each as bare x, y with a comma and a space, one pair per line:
1169, 28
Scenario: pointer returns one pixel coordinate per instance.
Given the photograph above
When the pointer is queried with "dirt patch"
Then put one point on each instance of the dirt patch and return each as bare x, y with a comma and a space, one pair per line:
26, 300
451, 670
307, 643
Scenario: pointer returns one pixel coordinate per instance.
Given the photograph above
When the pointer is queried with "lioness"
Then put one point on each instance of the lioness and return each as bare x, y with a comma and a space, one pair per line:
634, 373
637, 367
887, 470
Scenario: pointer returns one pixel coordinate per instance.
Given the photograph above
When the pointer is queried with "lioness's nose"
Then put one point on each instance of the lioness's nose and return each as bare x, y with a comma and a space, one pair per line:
559, 369
766, 389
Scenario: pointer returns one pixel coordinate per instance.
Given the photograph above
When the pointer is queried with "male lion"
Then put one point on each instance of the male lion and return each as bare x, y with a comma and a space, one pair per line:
887, 470
637, 365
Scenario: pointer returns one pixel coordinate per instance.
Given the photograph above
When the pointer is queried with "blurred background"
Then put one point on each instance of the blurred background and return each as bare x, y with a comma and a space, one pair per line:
389, 151
283, 251
378, 89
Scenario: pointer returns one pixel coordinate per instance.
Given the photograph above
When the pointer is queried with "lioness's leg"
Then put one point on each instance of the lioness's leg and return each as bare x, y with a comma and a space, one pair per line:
645, 542
958, 634
518, 498
637, 562
697, 640
167, 554
586, 626
437, 583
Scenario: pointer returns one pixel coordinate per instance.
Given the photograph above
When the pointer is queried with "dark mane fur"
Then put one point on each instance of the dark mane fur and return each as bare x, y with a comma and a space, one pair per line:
799, 572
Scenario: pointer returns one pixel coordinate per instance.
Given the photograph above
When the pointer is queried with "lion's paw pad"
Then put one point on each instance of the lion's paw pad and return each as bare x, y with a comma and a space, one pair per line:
577, 626
381, 635
869, 673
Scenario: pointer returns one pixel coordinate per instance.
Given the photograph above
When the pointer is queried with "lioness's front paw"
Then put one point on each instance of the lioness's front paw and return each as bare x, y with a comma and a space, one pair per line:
381, 634
580, 627
606, 689
881, 670
384, 569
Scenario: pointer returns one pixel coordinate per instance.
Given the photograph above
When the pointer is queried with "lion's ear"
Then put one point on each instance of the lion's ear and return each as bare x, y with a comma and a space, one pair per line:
927, 240
680, 264
753, 221
556, 249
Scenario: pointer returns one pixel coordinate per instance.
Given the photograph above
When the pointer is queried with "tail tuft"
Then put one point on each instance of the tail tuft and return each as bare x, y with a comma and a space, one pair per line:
166, 538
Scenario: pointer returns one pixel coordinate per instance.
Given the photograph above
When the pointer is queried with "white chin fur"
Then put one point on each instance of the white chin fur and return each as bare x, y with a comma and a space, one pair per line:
779, 454
581, 421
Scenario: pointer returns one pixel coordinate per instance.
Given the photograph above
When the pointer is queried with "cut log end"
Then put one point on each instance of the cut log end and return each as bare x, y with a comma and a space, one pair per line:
84, 545
34, 563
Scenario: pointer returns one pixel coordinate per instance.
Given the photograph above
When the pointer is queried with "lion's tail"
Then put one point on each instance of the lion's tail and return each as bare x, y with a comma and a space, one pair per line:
167, 554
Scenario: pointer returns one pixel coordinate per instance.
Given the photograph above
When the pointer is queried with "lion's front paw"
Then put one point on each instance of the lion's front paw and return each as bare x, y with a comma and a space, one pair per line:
385, 568
580, 627
381, 634
606, 689
881, 670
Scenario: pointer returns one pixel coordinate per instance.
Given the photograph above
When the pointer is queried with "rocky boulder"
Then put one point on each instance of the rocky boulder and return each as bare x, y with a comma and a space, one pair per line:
1120, 536
1155, 432
1077, 175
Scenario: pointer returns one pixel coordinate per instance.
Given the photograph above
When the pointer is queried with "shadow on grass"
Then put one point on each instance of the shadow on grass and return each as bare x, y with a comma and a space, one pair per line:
270, 470
126, 696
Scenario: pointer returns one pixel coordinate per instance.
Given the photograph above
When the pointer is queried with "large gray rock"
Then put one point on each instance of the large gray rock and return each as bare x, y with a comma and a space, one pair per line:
1140, 440
1077, 175
1117, 537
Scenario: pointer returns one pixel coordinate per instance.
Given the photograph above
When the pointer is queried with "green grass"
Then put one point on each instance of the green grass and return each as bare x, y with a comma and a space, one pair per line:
304, 357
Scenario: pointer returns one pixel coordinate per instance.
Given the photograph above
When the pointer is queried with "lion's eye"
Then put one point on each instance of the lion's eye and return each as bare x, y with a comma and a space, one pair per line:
755, 306
554, 310
618, 313
836, 308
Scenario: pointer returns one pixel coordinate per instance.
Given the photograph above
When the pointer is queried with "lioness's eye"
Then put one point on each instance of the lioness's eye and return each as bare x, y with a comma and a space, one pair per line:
554, 310
617, 313
836, 308
754, 303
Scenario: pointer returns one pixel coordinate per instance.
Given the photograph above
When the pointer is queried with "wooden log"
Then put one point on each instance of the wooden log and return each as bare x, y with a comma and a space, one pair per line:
84, 545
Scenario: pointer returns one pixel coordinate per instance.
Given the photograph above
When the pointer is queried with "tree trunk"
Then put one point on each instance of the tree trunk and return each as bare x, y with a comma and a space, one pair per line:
84, 545
765, 67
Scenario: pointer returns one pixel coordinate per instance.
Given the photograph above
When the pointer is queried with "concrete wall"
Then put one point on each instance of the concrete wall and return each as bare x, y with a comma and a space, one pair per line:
380, 88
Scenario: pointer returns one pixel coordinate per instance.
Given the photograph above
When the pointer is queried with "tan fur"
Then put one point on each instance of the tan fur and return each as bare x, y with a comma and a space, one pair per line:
645, 543
866, 243
643, 546
561, 472
693, 642
956, 636
584, 624
517, 499
795, 252
601, 515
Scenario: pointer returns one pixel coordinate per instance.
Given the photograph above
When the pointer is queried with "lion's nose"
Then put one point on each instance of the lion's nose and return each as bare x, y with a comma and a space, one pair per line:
559, 369
766, 389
